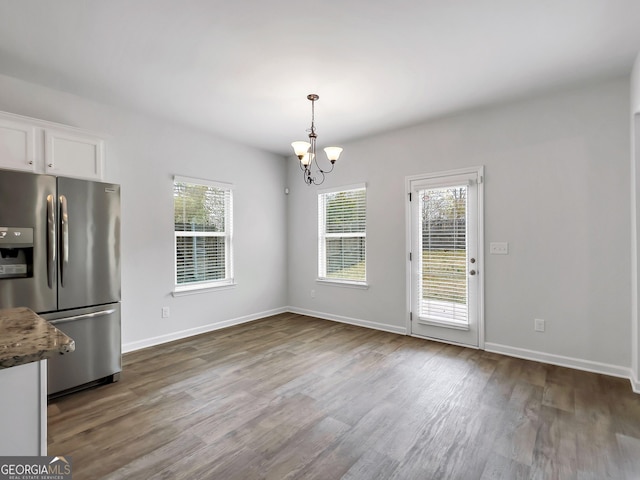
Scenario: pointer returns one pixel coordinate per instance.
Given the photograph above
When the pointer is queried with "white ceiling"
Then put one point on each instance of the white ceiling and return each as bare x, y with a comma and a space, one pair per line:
242, 69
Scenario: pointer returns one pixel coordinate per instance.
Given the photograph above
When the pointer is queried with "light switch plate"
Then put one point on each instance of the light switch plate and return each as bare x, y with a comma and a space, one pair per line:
499, 248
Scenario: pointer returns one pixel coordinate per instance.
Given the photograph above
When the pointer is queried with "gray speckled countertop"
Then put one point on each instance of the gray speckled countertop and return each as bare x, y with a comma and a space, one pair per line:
25, 337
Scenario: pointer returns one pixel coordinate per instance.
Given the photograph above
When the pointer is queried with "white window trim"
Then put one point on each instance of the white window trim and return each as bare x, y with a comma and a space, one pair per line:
205, 287
342, 283
202, 181
344, 188
332, 281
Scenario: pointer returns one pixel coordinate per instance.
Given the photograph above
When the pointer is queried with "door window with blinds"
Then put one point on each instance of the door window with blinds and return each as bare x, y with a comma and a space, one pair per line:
342, 234
443, 215
203, 213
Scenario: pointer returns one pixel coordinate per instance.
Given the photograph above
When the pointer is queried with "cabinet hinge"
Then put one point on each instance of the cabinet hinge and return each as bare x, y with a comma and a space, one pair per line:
410, 257
409, 196
411, 316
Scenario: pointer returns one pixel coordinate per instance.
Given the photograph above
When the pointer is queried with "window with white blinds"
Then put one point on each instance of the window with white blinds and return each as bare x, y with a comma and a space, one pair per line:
342, 235
443, 213
203, 232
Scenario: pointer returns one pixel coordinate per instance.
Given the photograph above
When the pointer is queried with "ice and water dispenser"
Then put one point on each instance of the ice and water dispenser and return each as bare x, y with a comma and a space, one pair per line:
16, 252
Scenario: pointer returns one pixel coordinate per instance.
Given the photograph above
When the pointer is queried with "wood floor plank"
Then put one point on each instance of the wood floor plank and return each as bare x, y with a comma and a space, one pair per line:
296, 397
629, 455
372, 466
302, 449
159, 459
559, 396
555, 452
501, 468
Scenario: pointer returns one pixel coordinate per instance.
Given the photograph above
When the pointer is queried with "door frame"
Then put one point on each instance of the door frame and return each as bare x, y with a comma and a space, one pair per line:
481, 253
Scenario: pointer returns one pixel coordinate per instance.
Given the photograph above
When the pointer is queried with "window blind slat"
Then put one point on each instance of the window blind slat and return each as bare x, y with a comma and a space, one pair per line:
342, 235
200, 207
202, 224
444, 257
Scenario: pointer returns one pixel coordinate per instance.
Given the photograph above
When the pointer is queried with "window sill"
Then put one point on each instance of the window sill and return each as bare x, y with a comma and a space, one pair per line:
205, 288
342, 283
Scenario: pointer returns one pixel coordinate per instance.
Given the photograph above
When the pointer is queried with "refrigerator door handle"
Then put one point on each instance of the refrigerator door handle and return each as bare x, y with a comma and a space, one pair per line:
80, 317
51, 241
64, 244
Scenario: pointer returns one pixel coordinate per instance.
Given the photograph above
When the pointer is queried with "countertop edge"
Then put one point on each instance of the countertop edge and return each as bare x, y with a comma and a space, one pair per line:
25, 337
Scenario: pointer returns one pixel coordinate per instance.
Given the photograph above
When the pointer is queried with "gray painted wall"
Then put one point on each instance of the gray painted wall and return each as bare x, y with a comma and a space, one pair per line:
143, 154
556, 188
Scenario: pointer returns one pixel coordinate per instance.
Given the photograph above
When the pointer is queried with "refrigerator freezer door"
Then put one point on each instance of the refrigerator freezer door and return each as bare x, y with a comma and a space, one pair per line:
96, 332
23, 204
89, 243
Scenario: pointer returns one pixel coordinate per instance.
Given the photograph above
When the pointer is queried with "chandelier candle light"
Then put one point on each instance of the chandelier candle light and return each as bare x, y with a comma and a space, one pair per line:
306, 151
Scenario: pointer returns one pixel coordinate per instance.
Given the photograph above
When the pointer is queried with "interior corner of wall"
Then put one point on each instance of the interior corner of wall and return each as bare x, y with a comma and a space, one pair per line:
635, 380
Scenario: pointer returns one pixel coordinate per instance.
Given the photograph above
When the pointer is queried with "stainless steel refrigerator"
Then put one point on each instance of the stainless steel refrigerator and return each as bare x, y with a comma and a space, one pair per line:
60, 256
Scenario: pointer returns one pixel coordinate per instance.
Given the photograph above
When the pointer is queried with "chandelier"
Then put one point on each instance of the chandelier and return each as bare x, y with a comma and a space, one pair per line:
306, 152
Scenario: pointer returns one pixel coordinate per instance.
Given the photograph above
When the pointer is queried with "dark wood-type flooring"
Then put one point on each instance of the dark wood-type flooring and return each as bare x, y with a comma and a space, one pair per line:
294, 397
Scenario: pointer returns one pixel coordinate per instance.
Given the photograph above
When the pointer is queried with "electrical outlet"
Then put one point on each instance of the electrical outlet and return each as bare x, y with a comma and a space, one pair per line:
165, 312
313, 294
538, 325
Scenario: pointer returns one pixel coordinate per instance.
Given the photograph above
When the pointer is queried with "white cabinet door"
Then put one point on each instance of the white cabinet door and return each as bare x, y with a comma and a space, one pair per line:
17, 145
23, 409
40, 146
73, 155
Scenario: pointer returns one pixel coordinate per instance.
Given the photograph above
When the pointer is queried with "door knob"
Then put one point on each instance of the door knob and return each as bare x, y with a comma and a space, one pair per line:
472, 272
472, 260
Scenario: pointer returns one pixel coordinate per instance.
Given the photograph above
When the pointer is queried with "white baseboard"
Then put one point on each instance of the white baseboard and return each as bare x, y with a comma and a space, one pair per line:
170, 337
576, 363
351, 321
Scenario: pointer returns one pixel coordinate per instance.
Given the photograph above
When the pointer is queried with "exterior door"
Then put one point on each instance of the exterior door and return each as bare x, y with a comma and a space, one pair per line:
445, 256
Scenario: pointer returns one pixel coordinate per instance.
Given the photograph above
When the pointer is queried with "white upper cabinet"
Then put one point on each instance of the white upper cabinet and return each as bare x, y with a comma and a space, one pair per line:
17, 145
73, 155
45, 147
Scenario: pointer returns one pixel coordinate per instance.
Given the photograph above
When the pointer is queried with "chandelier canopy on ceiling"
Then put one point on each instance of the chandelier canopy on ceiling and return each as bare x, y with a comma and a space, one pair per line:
306, 152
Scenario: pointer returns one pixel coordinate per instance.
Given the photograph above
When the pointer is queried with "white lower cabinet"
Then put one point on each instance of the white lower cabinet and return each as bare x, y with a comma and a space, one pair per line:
23, 410
45, 147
